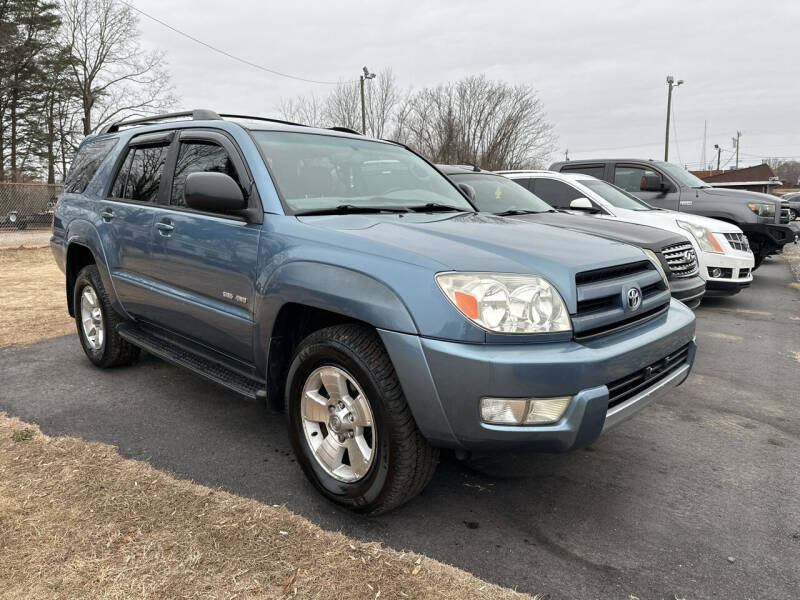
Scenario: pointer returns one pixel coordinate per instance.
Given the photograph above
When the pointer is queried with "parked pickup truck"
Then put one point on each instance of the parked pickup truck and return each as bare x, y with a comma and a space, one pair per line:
348, 281
665, 185
671, 252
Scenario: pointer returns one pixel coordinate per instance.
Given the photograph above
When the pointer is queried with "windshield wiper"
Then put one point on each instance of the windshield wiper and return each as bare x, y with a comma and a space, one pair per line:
436, 207
351, 209
520, 211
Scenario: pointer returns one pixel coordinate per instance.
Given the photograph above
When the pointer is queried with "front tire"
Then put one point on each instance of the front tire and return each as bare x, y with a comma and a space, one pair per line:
97, 322
350, 425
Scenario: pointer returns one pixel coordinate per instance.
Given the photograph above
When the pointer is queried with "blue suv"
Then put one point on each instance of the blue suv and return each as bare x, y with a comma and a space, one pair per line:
348, 281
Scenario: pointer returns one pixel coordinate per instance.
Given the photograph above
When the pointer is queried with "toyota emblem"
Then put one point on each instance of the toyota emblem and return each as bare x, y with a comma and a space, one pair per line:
634, 298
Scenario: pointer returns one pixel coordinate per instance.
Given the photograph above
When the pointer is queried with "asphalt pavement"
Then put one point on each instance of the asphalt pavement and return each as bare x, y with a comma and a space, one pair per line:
698, 496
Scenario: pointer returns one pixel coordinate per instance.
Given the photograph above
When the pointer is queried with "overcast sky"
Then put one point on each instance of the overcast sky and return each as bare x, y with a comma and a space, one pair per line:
599, 67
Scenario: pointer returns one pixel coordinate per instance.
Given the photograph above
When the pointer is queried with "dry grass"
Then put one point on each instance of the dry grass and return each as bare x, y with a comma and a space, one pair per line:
33, 305
79, 521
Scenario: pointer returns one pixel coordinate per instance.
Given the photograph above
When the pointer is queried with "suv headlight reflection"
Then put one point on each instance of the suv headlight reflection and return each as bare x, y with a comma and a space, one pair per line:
506, 303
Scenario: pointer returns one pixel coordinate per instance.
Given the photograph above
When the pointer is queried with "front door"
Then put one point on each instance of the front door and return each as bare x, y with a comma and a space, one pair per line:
206, 262
629, 178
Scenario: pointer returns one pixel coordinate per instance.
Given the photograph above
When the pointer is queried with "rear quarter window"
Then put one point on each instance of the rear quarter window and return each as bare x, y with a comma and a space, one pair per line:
85, 164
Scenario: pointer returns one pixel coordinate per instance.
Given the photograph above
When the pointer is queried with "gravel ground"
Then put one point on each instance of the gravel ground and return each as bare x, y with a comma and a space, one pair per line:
28, 238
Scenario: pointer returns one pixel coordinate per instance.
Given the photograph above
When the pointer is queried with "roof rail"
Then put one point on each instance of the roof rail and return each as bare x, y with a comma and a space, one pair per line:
200, 114
252, 118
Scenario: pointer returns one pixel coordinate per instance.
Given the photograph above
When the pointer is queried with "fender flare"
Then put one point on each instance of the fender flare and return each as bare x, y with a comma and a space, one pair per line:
333, 288
83, 233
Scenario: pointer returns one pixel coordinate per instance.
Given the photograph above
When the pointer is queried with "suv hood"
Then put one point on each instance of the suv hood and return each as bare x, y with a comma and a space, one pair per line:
644, 236
473, 242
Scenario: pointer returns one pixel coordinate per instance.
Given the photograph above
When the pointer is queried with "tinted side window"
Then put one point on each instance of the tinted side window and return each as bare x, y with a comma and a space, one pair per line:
86, 163
118, 189
556, 193
140, 175
630, 178
593, 170
198, 157
526, 183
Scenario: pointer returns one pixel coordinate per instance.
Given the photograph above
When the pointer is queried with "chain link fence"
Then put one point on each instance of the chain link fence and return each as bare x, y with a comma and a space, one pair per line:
25, 212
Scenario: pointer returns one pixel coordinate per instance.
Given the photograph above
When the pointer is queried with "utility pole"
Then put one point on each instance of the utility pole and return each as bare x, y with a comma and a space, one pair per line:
566, 155
362, 78
718, 153
670, 83
736, 145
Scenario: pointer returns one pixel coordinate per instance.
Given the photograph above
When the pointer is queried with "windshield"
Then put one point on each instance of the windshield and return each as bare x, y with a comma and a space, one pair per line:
495, 193
614, 196
316, 172
682, 176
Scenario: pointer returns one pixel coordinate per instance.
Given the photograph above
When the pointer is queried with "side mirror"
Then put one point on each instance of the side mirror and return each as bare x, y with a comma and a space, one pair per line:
651, 183
213, 192
582, 204
468, 190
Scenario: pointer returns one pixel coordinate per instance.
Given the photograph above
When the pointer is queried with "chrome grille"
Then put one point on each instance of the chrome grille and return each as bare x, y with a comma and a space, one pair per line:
738, 241
601, 306
681, 259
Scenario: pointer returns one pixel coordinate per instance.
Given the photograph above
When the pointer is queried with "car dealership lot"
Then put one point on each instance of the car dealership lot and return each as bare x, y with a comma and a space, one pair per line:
696, 497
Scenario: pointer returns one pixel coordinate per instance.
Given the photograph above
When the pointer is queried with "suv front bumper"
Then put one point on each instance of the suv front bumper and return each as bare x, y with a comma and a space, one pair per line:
443, 382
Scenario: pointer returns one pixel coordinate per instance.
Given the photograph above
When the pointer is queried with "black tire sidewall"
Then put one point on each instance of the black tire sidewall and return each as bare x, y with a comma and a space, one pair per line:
90, 277
365, 492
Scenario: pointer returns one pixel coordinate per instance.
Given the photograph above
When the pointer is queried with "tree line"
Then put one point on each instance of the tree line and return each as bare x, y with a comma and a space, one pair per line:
492, 124
67, 68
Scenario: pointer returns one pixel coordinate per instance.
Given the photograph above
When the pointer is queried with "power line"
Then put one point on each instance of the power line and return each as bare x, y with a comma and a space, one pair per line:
228, 54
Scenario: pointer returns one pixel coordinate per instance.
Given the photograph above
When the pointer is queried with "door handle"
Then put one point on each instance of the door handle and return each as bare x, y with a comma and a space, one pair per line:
165, 228
107, 214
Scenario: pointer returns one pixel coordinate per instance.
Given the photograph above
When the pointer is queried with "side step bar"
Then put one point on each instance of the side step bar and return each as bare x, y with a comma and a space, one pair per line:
206, 366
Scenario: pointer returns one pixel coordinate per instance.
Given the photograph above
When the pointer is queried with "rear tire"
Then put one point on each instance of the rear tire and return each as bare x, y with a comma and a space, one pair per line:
97, 322
397, 462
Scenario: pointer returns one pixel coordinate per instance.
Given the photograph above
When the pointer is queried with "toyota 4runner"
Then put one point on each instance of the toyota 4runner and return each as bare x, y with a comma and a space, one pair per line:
346, 280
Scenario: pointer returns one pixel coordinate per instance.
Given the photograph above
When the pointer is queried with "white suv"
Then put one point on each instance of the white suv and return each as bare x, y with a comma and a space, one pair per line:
726, 262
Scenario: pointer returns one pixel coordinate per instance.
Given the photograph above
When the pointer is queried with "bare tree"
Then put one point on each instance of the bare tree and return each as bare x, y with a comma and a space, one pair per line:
307, 110
343, 107
478, 121
113, 74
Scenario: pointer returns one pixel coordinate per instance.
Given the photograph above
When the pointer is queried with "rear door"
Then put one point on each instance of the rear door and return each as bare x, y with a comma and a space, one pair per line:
127, 213
628, 176
207, 262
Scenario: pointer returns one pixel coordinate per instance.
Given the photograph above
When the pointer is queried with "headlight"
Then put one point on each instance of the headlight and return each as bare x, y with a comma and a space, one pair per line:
658, 265
506, 303
763, 209
704, 237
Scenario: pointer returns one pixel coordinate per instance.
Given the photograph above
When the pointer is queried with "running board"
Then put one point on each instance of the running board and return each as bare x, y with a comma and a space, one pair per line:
211, 369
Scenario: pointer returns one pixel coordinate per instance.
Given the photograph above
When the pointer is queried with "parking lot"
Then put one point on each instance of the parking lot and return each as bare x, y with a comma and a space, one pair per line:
696, 497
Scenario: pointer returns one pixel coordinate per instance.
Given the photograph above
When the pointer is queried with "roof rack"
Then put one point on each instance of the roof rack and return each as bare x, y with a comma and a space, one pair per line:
202, 114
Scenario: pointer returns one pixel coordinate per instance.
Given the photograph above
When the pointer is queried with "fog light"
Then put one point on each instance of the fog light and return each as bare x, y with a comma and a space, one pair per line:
526, 411
716, 272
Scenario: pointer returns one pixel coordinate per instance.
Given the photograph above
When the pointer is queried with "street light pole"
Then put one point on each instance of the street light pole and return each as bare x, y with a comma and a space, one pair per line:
366, 75
718, 152
671, 83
